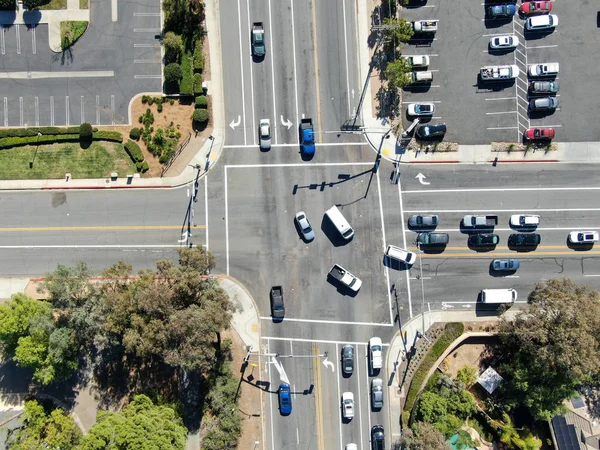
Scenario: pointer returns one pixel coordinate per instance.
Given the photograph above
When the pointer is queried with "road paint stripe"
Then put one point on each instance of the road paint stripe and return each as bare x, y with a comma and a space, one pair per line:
242, 72
541, 46
347, 70
501, 112
43, 75
316, 62
33, 41
332, 144
226, 223
5, 112
145, 61
146, 45
147, 30
82, 110
51, 111
112, 109
450, 230
544, 188
333, 322
501, 128
18, 39
403, 222
502, 98
297, 135
321, 341
97, 110
2, 31
251, 71
67, 110
592, 275
114, 10
146, 14
316, 363
85, 247
493, 254
255, 166
146, 77
37, 112
21, 111
96, 228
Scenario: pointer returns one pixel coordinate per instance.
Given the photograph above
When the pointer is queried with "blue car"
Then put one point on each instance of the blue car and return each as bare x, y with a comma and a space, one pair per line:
495, 11
285, 399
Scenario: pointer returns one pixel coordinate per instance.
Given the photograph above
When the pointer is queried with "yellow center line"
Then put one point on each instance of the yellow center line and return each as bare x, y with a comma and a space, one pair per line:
100, 228
318, 396
316, 58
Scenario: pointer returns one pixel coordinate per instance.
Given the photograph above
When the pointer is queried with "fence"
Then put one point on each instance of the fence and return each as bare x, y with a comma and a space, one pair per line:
175, 155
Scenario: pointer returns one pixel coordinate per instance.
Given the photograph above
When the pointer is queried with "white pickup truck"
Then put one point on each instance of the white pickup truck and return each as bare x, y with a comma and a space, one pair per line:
340, 274
491, 73
425, 26
543, 70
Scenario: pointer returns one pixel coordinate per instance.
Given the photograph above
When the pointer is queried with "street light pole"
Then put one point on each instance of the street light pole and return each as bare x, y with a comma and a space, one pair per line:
37, 145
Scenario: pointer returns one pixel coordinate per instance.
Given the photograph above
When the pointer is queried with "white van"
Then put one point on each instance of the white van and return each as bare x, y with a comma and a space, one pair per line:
340, 222
498, 296
421, 77
400, 255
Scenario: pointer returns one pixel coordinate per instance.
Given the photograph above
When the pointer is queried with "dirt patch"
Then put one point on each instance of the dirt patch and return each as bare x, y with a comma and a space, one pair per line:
250, 397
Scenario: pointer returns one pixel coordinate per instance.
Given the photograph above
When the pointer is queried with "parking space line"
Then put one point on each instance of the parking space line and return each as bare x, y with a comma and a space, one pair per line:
423, 101
51, 111
146, 30
2, 31
493, 34
519, 87
272, 52
521, 98
501, 112
67, 110
145, 61
82, 110
517, 59
146, 45
112, 108
502, 128
37, 112
5, 112
33, 43
21, 111
138, 77
321, 341
501, 98
18, 40
526, 118
549, 126
541, 46
333, 322
436, 117
97, 110
146, 14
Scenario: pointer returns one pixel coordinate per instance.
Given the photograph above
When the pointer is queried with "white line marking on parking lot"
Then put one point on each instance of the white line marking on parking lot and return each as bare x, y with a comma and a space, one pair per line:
423, 101
242, 72
21, 111
18, 40
424, 278
333, 322
97, 110
51, 111
144, 61
501, 112
146, 45
40, 75
112, 109
147, 30
347, 70
501, 128
493, 34
82, 110
37, 112
5, 112
331, 144
592, 275
114, 11
146, 14
276, 338
2, 31
525, 189
138, 77
502, 98
541, 46
512, 276
33, 42
67, 110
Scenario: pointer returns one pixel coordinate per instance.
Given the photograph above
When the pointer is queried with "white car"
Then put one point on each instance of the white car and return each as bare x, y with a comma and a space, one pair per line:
418, 61
376, 351
583, 237
351, 447
524, 220
544, 22
307, 232
543, 70
348, 405
421, 109
265, 134
504, 42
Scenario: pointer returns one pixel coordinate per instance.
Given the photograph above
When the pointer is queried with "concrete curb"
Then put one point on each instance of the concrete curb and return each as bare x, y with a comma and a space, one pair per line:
524, 161
84, 188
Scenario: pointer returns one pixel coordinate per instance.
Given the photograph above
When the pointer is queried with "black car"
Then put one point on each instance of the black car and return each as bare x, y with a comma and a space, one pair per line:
524, 239
377, 438
430, 131
348, 359
483, 240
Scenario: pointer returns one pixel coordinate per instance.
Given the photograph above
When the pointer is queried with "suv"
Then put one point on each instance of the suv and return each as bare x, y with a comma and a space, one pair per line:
432, 238
377, 437
524, 220
348, 359
501, 10
423, 221
543, 104
544, 87
524, 240
483, 240
430, 131
540, 23
543, 69
583, 237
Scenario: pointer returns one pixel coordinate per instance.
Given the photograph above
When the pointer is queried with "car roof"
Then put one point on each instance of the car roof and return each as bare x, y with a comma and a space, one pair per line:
540, 20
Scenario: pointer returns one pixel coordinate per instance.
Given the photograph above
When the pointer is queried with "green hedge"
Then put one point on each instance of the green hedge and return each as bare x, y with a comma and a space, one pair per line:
201, 102
113, 136
198, 84
22, 132
9, 142
134, 151
451, 332
186, 86
198, 57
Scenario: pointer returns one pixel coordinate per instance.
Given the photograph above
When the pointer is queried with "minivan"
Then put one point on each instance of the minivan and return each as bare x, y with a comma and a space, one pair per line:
544, 22
432, 238
340, 222
498, 296
421, 77
400, 255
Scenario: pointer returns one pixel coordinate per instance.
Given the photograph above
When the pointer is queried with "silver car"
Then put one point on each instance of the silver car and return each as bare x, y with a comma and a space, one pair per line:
265, 134
377, 393
504, 42
505, 265
423, 221
307, 232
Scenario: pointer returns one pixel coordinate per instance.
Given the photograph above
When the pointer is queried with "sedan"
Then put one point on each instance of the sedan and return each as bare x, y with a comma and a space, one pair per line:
483, 240
302, 221
531, 8
583, 237
504, 42
377, 438
539, 133
423, 221
541, 23
524, 240
377, 393
265, 134
421, 109
348, 359
430, 131
348, 405
544, 104
501, 10
285, 399
524, 220
505, 265
544, 87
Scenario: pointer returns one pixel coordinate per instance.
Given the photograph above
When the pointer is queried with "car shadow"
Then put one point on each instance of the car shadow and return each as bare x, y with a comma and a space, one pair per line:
482, 249
433, 249
494, 85
522, 248
414, 4
417, 88
395, 264
579, 247
523, 229
496, 22
536, 35
499, 51
489, 310
540, 114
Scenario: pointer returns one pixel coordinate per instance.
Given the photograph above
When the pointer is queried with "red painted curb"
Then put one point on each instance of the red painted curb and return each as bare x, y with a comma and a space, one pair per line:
524, 160
446, 161
102, 187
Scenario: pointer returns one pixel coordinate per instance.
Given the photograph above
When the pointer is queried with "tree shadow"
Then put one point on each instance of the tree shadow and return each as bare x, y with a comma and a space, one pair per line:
32, 17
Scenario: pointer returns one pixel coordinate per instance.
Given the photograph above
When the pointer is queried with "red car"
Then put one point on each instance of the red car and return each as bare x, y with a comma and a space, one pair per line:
529, 8
539, 133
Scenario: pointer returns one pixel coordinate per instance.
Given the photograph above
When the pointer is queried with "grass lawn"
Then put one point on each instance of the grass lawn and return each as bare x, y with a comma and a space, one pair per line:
54, 161
54, 4
71, 31
84, 4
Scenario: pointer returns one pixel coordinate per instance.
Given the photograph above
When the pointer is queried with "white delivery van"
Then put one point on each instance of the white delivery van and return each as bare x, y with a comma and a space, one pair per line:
340, 222
400, 255
498, 296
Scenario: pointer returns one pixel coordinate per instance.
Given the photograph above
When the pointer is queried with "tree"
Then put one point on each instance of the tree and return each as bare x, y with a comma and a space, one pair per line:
40, 430
86, 133
68, 287
397, 32
467, 375
201, 116
8, 5
173, 47
15, 319
398, 73
198, 259
423, 436
140, 425
173, 73
551, 348
33, 4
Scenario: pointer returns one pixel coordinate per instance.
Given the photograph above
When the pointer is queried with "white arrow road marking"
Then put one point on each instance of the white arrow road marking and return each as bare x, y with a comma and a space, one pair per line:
287, 123
282, 375
328, 364
421, 178
234, 124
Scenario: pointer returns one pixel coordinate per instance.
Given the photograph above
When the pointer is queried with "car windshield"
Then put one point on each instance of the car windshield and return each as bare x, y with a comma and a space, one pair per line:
376, 348
308, 228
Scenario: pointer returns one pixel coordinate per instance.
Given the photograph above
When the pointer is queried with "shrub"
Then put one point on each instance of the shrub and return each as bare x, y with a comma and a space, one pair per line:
142, 166
145, 99
171, 101
9, 142
159, 107
22, 132
186, 87
173, 46
134, 151
198, 57
198, 84
201, 102
8, 5
147, 118
32, 4
135, 133
201, 116
173, 73
85, 131
113, 136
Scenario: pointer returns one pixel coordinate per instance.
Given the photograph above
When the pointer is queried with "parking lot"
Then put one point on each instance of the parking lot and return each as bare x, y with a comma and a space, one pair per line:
479, 113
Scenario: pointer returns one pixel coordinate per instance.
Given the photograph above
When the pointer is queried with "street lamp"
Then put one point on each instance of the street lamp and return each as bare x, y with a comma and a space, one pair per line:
37, 145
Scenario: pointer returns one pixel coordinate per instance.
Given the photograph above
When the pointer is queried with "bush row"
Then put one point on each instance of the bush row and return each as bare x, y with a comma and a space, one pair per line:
186, 86
198, 58
22, 132
134, 151
451, 331
113, 136
18, 141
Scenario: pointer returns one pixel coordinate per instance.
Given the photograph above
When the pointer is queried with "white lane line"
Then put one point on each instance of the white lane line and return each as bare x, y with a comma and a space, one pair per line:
82, 110
347, 70
144, 77
51, 111
359, 404
268, 370
540, 46
504, 210
241, 75
501, 98
144, 61
37, 112
206, 209
387, 269
451, 230
112, 109
226, 224
332, 144
402, 221
147, 30
512, 276
5, 112
295, 77
592, 275
331, 322
33, 42
369, 401
253, 114
91, 246
297, 432
501, 112
324, 341
146, 14
18, 40
254, 166
67, 110
97, 110
114, 11
502, 128
21, 111
146, 45
526, 189
339, 391
275, 123
2, 46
